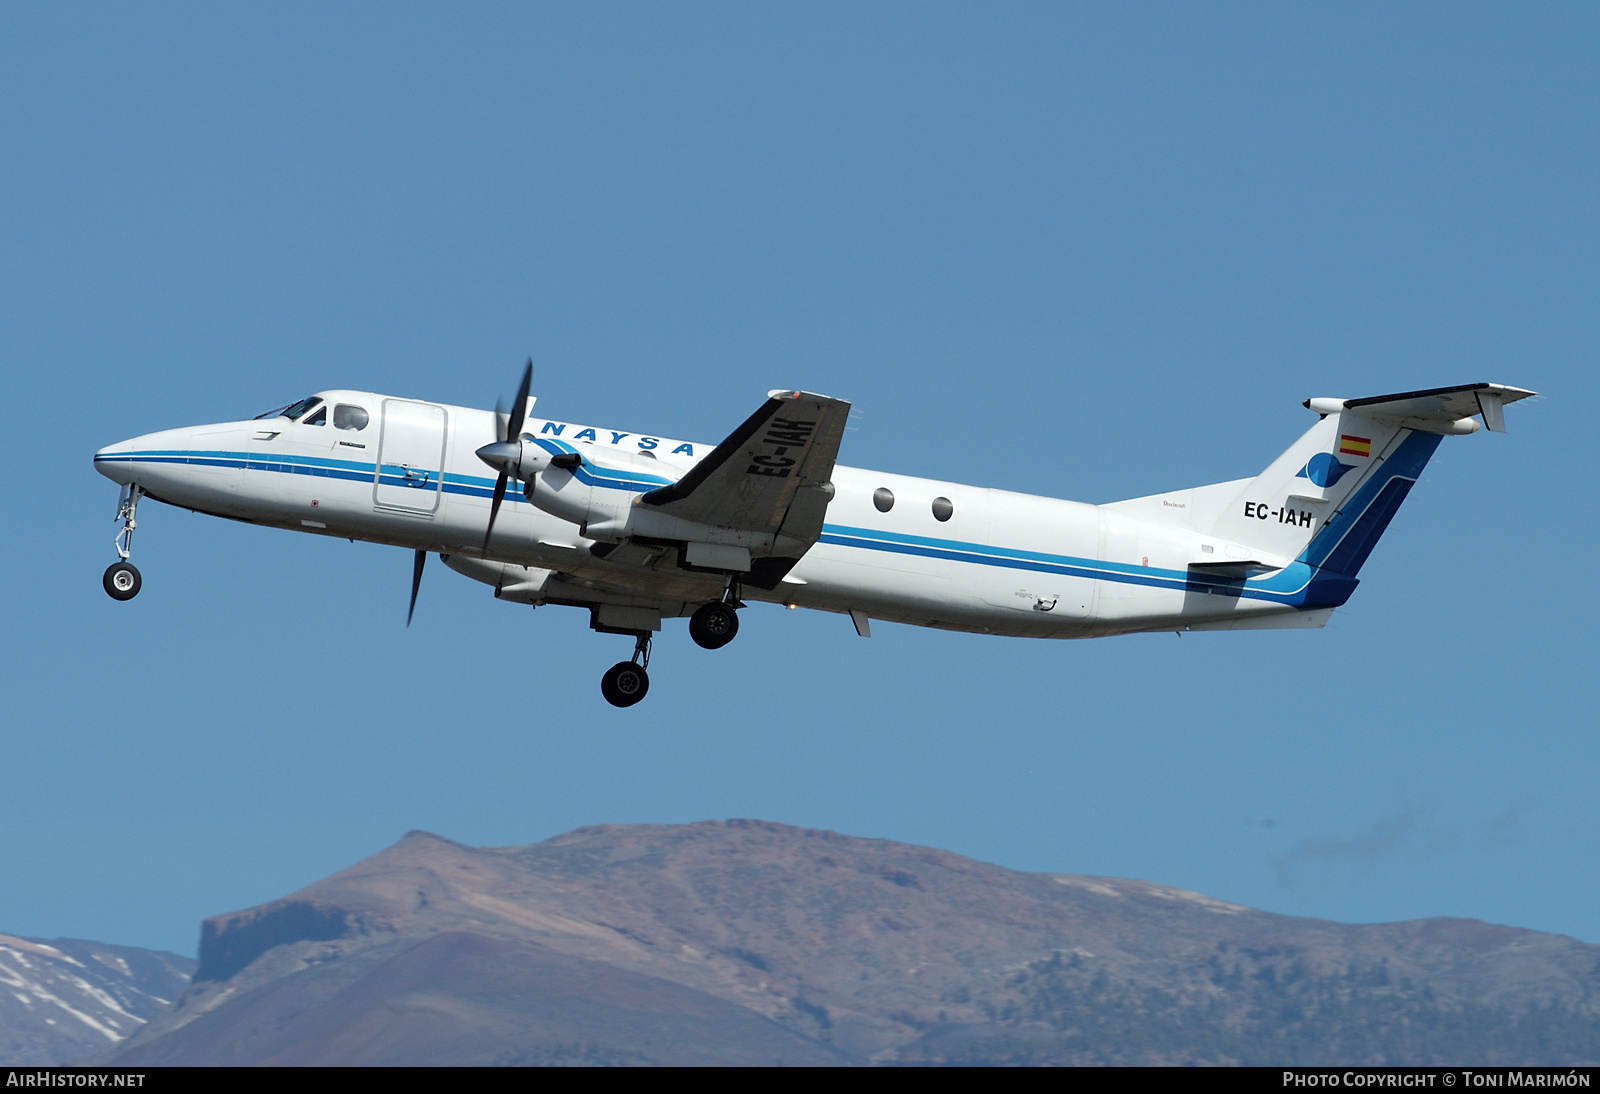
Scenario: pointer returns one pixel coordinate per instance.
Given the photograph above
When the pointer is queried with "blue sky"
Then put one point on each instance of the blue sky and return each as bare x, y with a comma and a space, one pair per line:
1085, 251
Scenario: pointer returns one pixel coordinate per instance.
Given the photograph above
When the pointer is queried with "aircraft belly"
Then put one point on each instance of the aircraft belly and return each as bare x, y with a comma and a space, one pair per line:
870, 584
1129, 609
1035, 594
919, 591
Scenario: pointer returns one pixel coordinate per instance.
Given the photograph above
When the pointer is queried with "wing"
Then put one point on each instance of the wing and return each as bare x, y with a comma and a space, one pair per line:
770, 476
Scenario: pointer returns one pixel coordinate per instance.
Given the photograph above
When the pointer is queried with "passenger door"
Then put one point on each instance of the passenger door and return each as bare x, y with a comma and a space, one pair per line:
410, 474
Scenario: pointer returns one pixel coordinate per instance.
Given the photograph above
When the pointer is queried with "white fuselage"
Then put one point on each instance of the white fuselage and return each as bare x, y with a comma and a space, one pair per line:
999, 562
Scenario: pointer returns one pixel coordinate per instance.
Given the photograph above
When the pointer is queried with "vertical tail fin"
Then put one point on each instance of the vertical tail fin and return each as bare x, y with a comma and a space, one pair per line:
1347, 537
1326, 501
1301, 493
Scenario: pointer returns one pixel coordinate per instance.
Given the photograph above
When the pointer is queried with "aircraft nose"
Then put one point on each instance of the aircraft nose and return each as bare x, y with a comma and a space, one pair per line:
115, 462
140, 457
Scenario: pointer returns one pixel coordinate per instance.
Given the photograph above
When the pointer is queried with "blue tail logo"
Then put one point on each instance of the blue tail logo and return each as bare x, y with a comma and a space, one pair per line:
1324, 470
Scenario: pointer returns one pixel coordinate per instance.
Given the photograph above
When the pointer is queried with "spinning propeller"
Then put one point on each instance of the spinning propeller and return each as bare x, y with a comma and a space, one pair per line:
506, 452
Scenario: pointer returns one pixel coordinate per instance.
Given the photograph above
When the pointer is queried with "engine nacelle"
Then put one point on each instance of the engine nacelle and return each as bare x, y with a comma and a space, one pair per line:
602, 497
523, 584
563, 492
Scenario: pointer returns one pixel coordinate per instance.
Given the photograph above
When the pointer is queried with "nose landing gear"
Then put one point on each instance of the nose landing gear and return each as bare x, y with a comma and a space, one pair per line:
122, 580
626, 682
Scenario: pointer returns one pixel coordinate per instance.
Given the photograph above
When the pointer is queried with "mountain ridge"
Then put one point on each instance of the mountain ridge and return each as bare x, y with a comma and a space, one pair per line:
826, 948
66, 999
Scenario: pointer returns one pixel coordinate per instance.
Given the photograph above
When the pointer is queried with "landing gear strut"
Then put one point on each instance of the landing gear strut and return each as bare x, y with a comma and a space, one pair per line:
626, 682
122, 579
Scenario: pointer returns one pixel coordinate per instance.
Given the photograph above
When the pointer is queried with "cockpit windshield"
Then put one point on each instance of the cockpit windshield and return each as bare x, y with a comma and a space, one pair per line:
292, 411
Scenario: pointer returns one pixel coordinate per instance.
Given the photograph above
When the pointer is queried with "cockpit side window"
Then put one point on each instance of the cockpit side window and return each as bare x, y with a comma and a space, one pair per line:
349, 417
293, 411
319, 418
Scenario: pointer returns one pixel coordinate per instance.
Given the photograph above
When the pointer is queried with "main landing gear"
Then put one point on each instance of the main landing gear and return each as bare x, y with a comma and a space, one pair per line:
122, 579
712, 626
626, 682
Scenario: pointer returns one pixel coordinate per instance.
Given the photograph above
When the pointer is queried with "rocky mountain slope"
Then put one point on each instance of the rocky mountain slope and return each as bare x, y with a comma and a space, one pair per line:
66, 1000
750, 942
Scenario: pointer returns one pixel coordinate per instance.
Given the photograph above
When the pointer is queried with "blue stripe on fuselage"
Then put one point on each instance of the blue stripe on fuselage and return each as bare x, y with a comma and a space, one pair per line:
1302, 584
589, 473
1282, 587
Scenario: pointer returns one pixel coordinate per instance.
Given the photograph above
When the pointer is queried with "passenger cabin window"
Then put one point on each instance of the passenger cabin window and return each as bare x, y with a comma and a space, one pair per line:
942, 509
319, 418
349, 417
883, 498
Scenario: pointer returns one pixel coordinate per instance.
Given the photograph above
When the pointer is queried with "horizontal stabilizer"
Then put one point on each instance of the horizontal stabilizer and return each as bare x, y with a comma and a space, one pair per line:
1330, 495
1442, 405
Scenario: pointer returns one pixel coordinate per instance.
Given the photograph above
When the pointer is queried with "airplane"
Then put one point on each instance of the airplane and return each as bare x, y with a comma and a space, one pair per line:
638, 528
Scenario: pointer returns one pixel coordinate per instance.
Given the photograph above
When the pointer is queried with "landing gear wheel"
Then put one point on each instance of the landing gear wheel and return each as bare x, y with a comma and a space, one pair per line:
713, 626
624, 684
122, 581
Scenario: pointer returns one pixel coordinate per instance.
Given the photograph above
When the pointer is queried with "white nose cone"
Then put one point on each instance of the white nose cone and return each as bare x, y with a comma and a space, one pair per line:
148, 460
115, 461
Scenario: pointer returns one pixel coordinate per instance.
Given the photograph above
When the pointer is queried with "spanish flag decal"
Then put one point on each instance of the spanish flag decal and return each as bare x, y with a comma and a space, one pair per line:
1355, 446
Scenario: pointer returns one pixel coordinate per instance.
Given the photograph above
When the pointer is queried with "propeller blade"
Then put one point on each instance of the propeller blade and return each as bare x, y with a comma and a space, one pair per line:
519, 409
494, 510
416, 582
510, 428
501, 420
